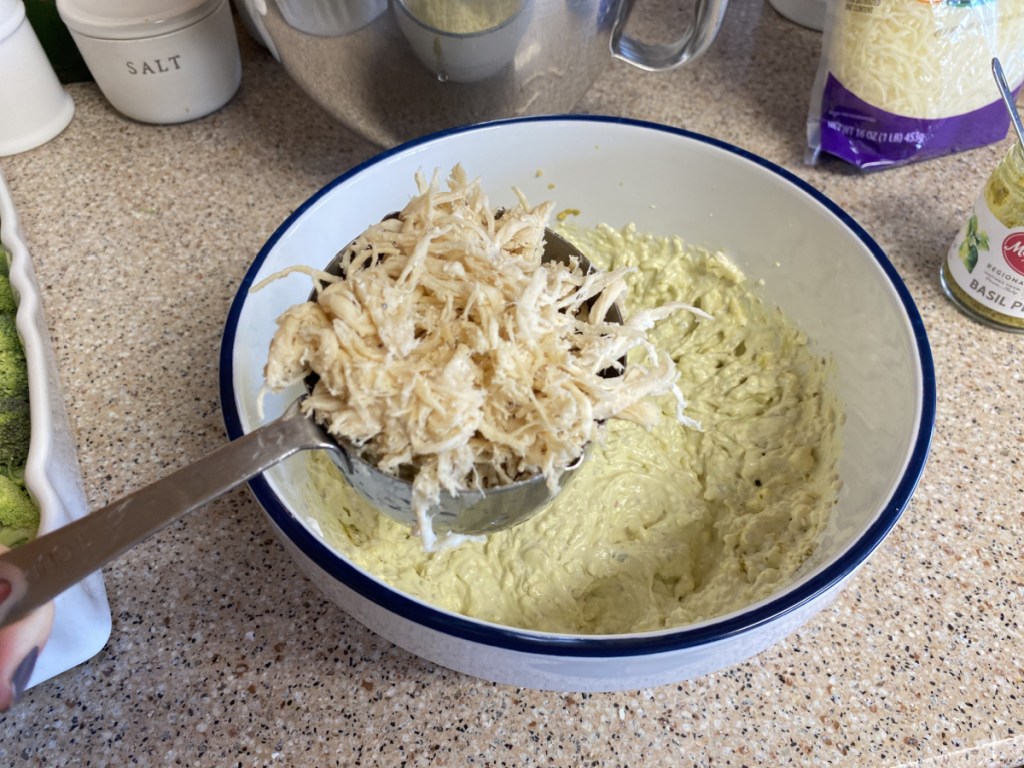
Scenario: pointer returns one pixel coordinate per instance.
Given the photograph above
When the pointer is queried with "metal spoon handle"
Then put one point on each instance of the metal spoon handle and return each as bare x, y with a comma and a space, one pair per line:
44, 567
1004, 90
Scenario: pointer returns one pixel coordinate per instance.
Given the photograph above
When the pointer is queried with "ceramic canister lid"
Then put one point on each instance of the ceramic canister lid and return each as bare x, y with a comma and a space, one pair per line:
11, 14
117, 20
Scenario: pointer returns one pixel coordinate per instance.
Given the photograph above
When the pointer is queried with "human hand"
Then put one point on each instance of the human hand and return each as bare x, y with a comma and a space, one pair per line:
20, 646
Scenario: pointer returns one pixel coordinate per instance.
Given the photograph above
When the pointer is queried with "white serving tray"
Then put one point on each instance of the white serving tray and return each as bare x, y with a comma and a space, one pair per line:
81, 624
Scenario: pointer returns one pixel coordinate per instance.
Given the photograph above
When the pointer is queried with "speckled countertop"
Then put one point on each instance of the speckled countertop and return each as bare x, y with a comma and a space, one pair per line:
222, 653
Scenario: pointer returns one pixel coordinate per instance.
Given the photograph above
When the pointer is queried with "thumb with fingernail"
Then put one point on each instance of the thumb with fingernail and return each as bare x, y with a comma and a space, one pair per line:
20, 646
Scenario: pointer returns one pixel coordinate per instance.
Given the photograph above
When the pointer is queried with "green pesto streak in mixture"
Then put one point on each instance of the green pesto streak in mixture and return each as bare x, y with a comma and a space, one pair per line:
659, 528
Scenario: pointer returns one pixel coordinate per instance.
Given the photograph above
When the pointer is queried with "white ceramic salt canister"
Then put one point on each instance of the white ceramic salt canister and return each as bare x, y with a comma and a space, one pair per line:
34, 105
158, 61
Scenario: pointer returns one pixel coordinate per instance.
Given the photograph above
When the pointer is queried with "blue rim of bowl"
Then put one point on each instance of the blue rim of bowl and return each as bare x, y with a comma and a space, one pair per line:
660, 641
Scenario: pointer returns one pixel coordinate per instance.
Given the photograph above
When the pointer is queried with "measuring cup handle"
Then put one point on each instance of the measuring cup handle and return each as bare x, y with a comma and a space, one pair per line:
44, 567
695, 40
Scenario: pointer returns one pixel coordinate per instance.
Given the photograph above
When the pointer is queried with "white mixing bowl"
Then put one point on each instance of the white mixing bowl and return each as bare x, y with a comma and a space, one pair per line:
817, 264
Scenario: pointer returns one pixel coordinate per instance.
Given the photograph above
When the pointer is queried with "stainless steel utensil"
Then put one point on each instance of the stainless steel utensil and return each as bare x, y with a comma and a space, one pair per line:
1011, 105
43, 568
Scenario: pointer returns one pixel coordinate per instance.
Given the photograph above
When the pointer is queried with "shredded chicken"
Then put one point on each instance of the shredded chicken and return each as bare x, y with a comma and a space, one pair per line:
451, 353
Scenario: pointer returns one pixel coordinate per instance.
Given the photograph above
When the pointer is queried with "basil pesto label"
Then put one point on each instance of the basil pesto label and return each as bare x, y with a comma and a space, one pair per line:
987, 262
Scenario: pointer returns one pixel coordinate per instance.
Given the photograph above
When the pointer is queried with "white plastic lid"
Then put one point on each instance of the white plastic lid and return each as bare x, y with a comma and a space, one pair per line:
118, 20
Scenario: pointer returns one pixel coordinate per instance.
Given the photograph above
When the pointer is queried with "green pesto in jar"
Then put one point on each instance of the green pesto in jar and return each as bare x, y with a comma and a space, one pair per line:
1000, 203
1004, 192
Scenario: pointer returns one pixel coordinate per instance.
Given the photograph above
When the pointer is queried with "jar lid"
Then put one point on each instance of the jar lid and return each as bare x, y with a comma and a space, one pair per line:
112, 19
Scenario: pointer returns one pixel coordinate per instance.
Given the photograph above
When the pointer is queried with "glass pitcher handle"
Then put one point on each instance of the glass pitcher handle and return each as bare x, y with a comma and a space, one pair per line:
658, 57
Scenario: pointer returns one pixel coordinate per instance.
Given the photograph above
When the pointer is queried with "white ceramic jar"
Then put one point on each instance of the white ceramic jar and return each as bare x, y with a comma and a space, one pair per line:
158, 61
35, 105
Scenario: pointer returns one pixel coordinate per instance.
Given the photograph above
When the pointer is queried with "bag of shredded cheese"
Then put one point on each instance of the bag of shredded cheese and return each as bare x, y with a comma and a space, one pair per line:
907, 80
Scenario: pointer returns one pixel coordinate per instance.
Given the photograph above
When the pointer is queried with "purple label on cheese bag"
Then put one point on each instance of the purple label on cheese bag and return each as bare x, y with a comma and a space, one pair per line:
870, 137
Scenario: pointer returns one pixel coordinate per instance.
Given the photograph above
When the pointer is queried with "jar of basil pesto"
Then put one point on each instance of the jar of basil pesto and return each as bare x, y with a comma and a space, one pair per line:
983, 273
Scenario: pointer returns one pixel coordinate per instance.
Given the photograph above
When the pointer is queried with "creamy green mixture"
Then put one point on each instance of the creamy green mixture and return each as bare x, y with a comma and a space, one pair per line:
463, 16
659, 528
1004, 191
